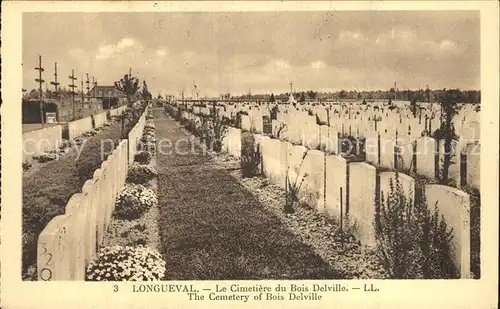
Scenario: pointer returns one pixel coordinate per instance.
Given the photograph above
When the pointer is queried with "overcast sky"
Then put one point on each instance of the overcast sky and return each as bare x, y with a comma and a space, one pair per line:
236, 52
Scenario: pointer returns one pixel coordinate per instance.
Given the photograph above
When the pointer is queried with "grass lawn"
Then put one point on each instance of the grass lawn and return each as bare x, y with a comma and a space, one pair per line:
46, 192
212, 228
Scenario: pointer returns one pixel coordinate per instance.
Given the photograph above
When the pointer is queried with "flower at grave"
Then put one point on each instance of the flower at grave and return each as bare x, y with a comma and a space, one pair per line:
141, 174
149, 135
149, 128
148, 139
133, 201
128, 264
143, 157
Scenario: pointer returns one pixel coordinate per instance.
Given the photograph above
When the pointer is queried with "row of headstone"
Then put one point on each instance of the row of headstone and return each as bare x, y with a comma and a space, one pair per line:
400, 142
331, 185
425, 156
118, 111
135, 135
70, 241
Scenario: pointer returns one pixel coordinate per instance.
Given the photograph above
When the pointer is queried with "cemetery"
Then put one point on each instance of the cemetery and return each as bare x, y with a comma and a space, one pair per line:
347, 175
394, 151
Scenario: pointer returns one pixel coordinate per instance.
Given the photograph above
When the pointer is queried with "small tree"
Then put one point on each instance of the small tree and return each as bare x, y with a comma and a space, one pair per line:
250, 157
413, 107
302, 97
129, 85
272, 99
449, 108
219, 128
146, 95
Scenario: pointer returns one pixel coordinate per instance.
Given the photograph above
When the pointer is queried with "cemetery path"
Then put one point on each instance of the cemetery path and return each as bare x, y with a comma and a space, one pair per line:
212, 228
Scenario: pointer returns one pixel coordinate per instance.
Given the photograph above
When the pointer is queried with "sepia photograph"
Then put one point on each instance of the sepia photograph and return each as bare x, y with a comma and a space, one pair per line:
256, 145
280, 154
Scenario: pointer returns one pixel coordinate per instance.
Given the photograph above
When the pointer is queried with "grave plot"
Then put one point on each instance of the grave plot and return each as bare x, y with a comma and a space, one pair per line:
47, 191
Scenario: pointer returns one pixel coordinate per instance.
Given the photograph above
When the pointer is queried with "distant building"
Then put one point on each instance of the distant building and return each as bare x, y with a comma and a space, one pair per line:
109, 96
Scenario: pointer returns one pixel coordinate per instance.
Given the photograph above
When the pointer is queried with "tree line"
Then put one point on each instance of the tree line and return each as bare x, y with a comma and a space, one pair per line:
420, 95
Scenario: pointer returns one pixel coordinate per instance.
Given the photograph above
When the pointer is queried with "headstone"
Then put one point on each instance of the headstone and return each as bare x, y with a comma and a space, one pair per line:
53, 261
336, 186
312, 189
372, 147
361, 209
472, 153
90, 223
76, 236
426, 150
454, 205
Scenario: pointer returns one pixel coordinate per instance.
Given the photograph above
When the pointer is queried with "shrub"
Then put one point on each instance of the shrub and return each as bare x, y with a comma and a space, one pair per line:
149, 130
141, 174
412, 243
143, 157
149, 135
134, 237
94, 153
90, 133
250, 157
133, 201
292, 187
119, 263
26, 166
46, 157
140, 227
149, 147
219, 128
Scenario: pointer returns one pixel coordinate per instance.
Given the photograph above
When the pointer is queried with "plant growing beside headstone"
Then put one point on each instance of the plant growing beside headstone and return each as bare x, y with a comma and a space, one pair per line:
219, 129
281, 128
119, 263
292, 188
141, 174
26, 166
143, 157
133, 201
250, 157
446, 132
411, 242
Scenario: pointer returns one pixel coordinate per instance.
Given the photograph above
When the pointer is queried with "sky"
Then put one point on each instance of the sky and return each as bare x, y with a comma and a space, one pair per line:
258, 52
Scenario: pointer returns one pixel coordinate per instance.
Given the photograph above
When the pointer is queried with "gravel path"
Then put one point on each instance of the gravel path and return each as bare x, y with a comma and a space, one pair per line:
212, 227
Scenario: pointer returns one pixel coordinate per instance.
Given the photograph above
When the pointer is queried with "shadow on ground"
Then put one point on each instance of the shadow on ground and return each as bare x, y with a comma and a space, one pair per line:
212, 228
